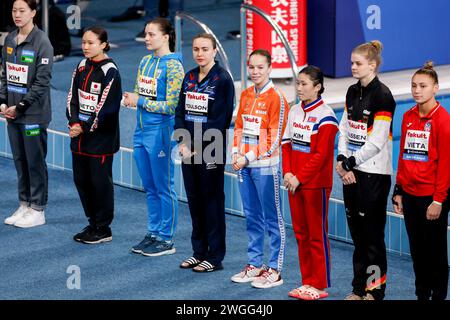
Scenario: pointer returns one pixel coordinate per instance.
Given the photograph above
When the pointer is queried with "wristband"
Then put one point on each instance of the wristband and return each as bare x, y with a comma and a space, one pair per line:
22, 106
341, 157
348, 163
398, 191
438, 203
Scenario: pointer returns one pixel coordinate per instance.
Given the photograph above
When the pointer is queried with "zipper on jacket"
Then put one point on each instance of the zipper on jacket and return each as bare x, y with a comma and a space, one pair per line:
87, 78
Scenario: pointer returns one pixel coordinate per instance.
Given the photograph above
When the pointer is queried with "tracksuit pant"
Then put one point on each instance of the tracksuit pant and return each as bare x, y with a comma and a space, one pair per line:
309, 212
428, 246
152, 153
29, 150
94, 182
365, 207
204, 189
260, 193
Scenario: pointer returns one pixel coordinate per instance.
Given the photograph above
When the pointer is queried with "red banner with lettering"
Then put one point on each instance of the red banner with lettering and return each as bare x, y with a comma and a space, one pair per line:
290, 15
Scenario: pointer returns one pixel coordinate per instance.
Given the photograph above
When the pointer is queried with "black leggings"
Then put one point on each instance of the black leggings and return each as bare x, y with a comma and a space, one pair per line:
428, 246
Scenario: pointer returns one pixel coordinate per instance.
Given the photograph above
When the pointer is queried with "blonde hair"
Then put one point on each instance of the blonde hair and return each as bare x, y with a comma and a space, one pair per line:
371, 51
428, 69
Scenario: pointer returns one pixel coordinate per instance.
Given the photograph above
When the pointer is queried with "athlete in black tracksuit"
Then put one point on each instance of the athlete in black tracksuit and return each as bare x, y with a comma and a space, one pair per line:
94, 103
365, 146
204, 178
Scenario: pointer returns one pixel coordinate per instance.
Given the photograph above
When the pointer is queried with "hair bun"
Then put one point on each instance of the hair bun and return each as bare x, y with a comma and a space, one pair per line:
429, 65
377, 44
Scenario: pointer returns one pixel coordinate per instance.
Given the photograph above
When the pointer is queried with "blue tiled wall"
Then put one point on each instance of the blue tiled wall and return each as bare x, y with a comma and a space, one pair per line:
125, 173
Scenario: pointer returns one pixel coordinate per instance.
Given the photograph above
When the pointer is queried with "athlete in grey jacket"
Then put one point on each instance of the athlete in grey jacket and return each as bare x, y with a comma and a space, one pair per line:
25, 103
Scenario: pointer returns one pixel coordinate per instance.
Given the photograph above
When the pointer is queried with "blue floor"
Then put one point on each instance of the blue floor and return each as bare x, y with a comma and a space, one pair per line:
34, 262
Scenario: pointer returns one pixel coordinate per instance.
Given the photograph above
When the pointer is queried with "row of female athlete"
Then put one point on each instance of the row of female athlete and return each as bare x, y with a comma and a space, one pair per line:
273, 145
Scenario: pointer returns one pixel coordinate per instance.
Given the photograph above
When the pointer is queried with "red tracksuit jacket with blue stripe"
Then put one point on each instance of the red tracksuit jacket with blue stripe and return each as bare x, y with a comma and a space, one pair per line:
308, 144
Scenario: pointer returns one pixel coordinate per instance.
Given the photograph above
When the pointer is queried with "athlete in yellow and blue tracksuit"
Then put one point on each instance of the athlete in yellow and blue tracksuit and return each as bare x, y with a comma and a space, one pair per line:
158, 86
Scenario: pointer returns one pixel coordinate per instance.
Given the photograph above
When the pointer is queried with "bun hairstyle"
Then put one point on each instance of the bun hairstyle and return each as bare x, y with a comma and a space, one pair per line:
102, 35
262, 52
166, 28
428, 69
316, 76
371, 50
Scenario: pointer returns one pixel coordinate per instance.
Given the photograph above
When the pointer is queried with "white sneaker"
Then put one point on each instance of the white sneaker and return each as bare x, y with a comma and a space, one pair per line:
247, 275
31, 218
17, 215
268, 279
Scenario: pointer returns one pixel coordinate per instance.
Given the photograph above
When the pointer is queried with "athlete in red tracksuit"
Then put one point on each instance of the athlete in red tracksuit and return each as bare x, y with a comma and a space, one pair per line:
423, 180
307, 146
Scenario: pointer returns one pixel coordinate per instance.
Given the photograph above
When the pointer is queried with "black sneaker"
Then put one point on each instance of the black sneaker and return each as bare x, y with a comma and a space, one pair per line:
98, 235
83, 233
159, 248
148, 240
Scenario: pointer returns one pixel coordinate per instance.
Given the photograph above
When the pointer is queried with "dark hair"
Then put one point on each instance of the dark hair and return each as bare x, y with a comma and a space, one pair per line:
316, 76
207, 36
371, 50
428, 69
101, 34
166, 28
262, 52
31, 3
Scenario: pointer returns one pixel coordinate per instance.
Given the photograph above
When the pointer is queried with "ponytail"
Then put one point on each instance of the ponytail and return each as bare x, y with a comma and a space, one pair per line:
166, 28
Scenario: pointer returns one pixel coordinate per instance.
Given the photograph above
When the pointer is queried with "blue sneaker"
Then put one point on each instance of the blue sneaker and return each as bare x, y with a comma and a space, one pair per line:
159, 248
148, 240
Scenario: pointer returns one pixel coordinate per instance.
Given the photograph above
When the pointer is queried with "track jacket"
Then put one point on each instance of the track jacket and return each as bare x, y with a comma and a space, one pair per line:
25, 77
209, 102
424, 160
94, 102
366, 128
308, 144
260, 124
158, 83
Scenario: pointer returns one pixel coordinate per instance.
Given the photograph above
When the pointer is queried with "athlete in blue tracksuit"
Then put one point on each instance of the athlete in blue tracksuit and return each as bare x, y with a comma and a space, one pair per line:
156, 96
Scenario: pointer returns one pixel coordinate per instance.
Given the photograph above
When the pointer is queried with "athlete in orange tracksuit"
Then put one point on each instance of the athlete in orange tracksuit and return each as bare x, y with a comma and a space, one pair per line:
308, 147
258, 132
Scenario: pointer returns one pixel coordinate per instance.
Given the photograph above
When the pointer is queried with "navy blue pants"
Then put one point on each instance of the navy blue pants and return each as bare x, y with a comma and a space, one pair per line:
206, 198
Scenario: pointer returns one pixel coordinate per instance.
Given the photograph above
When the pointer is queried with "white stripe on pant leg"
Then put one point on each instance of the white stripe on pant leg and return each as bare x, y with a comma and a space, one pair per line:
276, 185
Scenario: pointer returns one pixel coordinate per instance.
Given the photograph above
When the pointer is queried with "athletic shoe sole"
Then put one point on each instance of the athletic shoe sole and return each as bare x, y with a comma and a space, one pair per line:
9, 223
157, 254
29, 226
98, 241
243, 280
267, 286
136, 251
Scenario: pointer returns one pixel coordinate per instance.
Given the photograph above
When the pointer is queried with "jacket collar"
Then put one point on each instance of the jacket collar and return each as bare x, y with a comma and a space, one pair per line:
30, 36
264, 89
313, 105
430, 114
